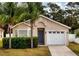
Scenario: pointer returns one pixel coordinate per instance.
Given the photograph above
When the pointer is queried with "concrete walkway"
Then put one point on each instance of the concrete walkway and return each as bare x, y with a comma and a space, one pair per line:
61, 51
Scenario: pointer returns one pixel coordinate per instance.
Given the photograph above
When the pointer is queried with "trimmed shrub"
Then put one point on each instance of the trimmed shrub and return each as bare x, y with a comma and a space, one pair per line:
5, 42
77, 34
20, 42
35, 42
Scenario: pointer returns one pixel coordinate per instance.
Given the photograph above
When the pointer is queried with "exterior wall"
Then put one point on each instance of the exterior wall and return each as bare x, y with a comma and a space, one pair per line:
21, 26
49, 25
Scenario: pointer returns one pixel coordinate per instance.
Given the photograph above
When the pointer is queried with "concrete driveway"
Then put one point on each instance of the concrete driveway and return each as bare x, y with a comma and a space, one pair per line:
61, 51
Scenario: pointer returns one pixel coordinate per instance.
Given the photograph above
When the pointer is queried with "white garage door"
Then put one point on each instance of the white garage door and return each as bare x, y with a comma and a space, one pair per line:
55, 37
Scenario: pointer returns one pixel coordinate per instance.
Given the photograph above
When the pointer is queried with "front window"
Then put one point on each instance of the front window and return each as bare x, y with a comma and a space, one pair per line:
62, 32
21, 33
58, 32
50, 32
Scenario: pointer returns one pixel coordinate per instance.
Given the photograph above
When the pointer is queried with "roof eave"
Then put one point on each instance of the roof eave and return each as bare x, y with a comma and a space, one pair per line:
55, 21
18, 24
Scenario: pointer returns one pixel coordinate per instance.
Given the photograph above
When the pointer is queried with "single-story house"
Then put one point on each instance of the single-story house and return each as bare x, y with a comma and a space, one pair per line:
1, 33
49, 32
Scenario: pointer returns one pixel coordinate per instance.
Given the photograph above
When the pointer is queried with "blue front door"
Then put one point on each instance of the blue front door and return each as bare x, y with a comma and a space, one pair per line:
40, 36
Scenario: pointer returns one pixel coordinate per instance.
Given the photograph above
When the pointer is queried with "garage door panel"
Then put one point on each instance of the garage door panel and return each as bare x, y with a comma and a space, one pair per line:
60, 38
55, 37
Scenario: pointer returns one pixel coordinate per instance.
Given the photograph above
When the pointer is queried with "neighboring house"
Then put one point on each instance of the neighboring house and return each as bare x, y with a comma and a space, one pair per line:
49, 32
1, 33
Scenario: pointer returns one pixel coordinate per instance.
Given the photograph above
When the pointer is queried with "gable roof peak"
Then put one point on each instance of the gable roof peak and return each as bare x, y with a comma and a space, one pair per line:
55, 21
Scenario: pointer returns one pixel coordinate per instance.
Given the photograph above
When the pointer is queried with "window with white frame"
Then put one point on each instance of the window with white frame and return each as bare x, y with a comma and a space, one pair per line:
21, 33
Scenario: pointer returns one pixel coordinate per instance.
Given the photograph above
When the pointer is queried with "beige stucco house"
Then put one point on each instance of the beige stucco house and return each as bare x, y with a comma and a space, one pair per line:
49, 32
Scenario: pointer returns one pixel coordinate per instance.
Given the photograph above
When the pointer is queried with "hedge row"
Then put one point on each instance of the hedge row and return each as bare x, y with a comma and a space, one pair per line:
77, 34
20, 42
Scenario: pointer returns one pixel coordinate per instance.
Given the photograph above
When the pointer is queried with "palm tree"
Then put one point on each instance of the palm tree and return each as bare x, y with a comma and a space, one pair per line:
2, 21
13, 14
33, 13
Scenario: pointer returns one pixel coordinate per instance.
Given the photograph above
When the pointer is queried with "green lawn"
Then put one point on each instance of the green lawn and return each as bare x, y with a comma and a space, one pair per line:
74, 47
39, 51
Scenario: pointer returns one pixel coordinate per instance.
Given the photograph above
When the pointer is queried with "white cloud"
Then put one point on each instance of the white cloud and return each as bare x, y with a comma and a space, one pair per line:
62, 4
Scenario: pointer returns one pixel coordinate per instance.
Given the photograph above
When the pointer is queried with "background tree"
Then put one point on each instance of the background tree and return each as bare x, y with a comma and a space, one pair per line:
72, 15
56, 12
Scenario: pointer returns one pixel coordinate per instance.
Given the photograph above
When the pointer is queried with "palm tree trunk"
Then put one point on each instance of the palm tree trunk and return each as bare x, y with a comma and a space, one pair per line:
9, 37
31, 35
